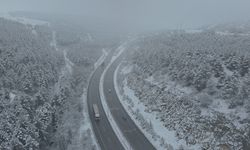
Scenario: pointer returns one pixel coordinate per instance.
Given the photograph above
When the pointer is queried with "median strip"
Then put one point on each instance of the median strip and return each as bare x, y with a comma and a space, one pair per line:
115, 127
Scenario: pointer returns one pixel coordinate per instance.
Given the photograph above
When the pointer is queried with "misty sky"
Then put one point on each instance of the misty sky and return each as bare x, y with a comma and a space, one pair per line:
147, 13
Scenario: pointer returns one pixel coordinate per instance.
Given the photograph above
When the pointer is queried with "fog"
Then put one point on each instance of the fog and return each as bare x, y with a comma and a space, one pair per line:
142, 14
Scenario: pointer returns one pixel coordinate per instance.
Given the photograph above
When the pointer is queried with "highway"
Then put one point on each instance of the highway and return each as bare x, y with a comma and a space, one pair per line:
104, 133
103, 130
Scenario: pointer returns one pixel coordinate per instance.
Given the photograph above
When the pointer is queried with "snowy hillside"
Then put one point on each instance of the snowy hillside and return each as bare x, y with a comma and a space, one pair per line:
23, 20
42, 88
196, 83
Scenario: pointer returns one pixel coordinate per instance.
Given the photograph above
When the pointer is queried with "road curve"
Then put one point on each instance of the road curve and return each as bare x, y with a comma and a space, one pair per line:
104, 133
132, 133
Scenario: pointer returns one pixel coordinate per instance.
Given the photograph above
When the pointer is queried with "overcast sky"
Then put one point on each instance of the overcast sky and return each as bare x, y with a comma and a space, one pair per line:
148, 13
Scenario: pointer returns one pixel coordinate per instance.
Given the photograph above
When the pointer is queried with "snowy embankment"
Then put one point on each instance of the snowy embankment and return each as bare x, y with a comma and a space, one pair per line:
53, 42
101, 59
85, 128
87, 122
115, 127
147, 122
26, 21
23, 20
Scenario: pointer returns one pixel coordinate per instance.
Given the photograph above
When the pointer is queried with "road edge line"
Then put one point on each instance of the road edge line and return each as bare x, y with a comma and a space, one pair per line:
109, 115
87, 93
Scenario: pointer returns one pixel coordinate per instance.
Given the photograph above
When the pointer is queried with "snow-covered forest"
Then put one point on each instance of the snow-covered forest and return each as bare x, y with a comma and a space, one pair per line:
43, 79
196, 83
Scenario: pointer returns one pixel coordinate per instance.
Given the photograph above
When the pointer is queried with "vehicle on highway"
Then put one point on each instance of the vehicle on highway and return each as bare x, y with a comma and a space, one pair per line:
96, 112
109, 90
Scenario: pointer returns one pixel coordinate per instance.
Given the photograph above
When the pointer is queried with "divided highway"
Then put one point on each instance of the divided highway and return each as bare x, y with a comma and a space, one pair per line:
104, 132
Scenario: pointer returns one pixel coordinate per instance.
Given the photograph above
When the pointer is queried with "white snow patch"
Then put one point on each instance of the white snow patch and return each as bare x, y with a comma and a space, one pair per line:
53, 43
65, 71
34, 32
12, 97
221, 106
193, 31
207, 112
101, 59
89, 37
69, 64
87, 125
121, 48
164, 81
127, 69
227, 71
226, 33
23, 20
119, 51
168, 137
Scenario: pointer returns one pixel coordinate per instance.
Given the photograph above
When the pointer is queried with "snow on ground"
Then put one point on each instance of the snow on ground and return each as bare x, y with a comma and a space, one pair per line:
86, 122
12, 97
169, 85
67, 69
86, 126
24, 20
220, 106
122, 47
53, 43
115, 127
127, 69
226, 33
119, 51
193, 31
69, 64
238, 113
89, 37
159, 136
101, 59
227, 71
222, 33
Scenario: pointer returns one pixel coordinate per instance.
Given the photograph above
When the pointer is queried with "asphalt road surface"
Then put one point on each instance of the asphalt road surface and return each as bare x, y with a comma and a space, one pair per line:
129, 129
106, 137
104, 133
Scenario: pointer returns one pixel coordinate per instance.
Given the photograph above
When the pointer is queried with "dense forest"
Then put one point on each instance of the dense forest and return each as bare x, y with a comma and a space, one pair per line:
197, 83
41, 87
29, 70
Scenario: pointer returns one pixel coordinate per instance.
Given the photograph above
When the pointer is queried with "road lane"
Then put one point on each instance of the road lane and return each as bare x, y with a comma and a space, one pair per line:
129, 129
104, 133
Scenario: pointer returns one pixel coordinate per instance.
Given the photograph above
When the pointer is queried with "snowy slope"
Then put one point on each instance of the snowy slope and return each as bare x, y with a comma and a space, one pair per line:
24, 20
147, 122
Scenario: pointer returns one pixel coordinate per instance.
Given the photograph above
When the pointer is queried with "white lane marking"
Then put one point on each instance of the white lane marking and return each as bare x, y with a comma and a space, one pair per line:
107, 110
